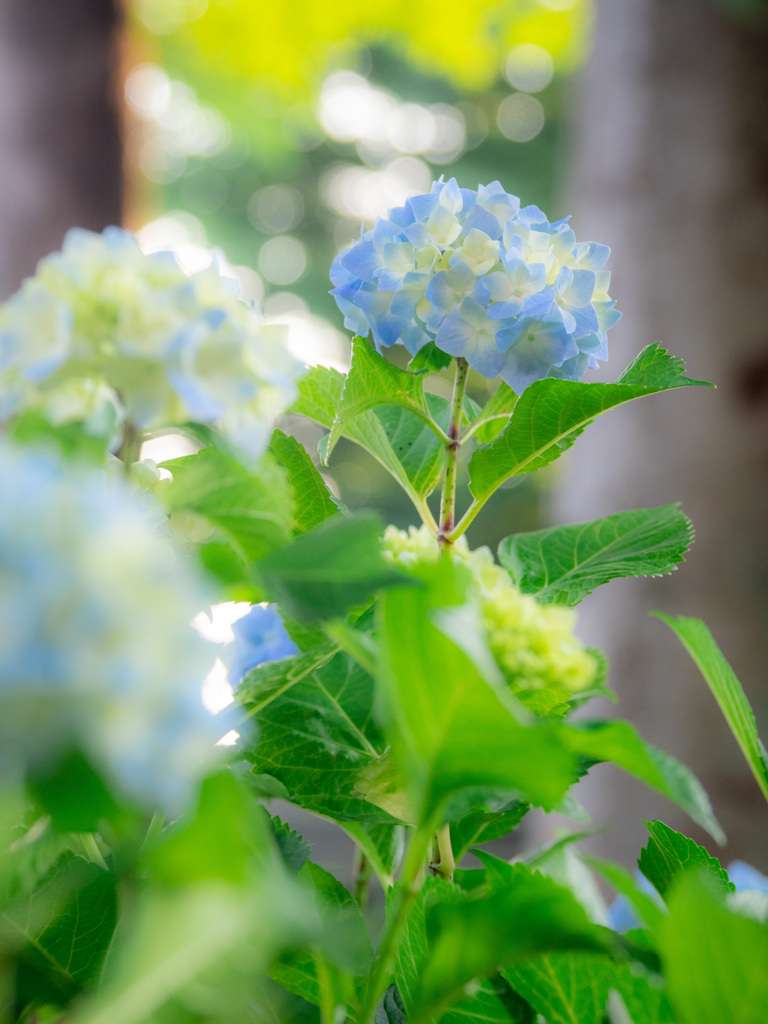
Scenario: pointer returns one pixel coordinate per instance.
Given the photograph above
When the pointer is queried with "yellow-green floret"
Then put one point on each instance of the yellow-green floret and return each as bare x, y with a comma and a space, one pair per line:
533, 644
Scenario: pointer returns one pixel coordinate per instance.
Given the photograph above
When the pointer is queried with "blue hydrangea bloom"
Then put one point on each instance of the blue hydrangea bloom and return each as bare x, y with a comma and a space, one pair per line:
97, 650
515, 295
259, 636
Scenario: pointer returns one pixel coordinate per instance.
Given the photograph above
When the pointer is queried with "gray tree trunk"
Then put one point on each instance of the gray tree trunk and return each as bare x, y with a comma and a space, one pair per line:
672, 172
61, 153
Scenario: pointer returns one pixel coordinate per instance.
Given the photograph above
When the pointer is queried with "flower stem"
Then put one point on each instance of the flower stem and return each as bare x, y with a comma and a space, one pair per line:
448, 502
444, 864
415, 858
130, 449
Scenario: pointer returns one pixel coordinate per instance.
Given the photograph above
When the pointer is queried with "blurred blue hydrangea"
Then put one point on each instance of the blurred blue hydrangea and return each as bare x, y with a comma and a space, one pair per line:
259, 636
104, 334
515, 295
97, 650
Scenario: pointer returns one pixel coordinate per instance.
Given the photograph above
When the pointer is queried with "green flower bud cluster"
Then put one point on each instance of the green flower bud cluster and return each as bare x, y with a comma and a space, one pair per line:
533, 644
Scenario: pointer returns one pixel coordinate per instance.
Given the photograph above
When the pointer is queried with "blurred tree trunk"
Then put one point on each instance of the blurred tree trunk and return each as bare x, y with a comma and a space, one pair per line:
61, 154
672, 172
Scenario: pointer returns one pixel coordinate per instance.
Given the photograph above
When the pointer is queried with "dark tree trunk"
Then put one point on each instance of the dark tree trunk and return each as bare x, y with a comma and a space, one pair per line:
672, 171
61, 153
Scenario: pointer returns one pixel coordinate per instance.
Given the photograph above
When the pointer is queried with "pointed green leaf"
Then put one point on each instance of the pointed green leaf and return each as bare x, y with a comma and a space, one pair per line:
372, 380
383, 845
320, 394
326, 571
450, 728
429, 358
484, 825
669, 854
315, 734
494, 415
565, 563
251, 508
271, 680
294, 849
494, 1002
472, 937
624, 883
714, 959
573, 988
727, 691
312, 501
551, 413
62, 930
417, 448
619, 742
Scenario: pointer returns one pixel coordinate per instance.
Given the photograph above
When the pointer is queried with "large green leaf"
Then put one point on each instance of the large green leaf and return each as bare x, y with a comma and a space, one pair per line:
669, 854
714, 959
451, 729
62, 930
319, 397
523, 915
565, 563
315, 733
493, 1003
372, 380
251, 508
312, 501
573, 988
551, 413
727, 690
325, 572
619, 742
416, 447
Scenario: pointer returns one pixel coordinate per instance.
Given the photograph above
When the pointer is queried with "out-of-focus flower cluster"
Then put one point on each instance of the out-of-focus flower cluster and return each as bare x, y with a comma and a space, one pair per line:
104, 334
97, 651
515, 295
534, 645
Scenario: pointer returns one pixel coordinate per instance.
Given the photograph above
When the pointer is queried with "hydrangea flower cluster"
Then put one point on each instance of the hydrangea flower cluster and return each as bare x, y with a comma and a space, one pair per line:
96, 645
515, 295
534, 645
104, 334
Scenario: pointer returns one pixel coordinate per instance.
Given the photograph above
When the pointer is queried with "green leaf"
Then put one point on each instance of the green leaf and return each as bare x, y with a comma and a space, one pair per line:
326, 571
727, 691
429, 359
494, 1002
565, 563
670, 854
391, 1009
251, 508
319, 396
341, 941
294, 849
312, 501
551, 413
383, 845
522, 916
484, 826
450, 728
269, 681
315, 734
372, 380
573, 988
714, 959
619, 742
494, 415
74, 795
417, 448
62, 930
623, 882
